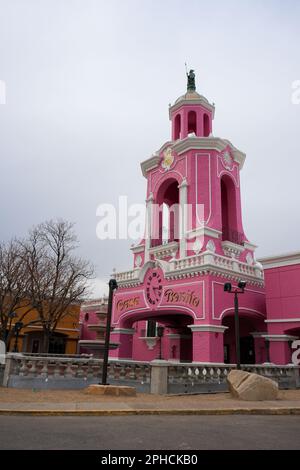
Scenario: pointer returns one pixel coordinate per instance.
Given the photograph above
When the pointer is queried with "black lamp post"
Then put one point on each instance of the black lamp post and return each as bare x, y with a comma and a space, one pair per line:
17, 328
112, 286
160, 333
239, 290
11, 315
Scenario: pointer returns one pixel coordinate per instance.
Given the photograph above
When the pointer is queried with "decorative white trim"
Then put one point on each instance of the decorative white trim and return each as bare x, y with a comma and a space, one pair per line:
183, 217
198, 100
249, 258
148, 228
137, 249
210, 246
150, 341
280, 337
209, 143
164, 251
204, 231
123, 331
138, 261
249, 246
203, 222
233, 250
283, 320
280, 260
150, 164
202, 264
259, 334
209, 328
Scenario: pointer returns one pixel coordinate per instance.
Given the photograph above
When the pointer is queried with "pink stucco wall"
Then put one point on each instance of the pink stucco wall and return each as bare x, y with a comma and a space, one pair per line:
283, 307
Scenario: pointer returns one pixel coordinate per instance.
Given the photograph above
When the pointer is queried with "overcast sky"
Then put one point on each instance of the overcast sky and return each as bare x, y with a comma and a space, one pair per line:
88, 83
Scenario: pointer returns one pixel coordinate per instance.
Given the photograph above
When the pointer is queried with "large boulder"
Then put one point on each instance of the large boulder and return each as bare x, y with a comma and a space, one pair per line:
253, 387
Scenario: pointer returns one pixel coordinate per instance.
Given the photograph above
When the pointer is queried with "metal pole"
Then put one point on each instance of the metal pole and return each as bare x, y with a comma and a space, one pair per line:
16, 341
160, 348
237, 331
267, 342
112, 286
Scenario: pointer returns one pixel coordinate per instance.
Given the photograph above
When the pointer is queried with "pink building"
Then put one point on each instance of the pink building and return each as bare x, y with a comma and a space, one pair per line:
92, 324
194, 242
282, 280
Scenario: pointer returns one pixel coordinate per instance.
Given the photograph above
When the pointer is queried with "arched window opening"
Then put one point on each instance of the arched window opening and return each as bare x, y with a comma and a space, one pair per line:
167, 201
165, 223
229, 212
177, 125
206, 126
192, 122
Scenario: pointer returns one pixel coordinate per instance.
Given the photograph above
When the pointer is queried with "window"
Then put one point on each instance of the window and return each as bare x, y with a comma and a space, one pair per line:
166, 217
192, 122
57, 345
206, 126
151, 328
229, 212
177, 127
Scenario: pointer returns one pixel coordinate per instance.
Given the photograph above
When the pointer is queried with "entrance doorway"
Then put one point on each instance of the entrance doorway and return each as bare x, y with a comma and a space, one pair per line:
247, 350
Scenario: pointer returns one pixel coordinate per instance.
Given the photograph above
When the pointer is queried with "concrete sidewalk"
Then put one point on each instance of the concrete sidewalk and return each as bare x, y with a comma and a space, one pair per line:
61, 402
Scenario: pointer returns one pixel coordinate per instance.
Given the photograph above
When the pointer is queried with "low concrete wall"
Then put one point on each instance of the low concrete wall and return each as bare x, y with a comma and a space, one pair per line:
158, 377
68, 384
209, 378
2, 367
73, 372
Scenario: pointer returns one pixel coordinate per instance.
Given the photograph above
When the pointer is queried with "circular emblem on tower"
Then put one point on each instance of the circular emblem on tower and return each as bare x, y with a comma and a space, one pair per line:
168, 159
227, 160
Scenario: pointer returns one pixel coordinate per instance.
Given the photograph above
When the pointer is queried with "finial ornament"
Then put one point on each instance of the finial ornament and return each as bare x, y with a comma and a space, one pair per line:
191, 85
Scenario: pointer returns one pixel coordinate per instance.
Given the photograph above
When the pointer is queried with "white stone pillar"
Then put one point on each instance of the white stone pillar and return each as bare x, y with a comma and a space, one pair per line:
182, 217
148, 228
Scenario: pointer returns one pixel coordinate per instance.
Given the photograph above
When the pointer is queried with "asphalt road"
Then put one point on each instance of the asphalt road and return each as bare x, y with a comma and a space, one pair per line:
150, 432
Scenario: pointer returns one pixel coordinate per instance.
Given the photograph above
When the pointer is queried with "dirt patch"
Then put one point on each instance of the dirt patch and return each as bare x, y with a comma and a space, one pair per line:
12, 395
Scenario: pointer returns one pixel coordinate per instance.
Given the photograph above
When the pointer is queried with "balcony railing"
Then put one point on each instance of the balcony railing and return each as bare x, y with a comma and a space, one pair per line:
160, 241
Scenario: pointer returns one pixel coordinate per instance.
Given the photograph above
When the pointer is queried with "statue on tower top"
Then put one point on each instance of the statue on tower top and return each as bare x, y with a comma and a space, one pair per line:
191, 85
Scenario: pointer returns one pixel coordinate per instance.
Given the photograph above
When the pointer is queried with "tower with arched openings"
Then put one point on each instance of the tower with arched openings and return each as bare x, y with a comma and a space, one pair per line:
194, 242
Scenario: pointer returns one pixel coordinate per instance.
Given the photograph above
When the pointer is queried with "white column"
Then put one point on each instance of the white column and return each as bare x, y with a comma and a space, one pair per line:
148, 229
182, 217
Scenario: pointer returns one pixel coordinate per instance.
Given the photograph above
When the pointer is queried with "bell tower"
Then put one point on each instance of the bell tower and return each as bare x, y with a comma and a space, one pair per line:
194, 240
191, 114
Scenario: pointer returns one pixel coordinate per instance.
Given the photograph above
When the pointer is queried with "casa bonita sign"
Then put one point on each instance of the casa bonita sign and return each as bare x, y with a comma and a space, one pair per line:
171, 296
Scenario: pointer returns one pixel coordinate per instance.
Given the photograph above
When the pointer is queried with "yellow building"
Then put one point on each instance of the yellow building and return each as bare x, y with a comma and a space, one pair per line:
30, 339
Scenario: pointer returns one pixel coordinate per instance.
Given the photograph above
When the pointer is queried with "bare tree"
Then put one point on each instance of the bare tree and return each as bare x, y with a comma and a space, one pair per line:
14, 282
57, 278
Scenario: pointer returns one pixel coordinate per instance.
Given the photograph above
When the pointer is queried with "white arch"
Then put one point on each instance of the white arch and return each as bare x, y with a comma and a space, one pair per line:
151, 264
258, 314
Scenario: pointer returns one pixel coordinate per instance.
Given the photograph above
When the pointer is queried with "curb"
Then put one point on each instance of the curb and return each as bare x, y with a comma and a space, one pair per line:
158, 412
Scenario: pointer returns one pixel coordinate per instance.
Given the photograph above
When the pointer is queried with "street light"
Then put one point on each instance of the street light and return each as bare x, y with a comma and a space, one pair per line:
17, 328
239, 290
112, 286
11, 315
160, 333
